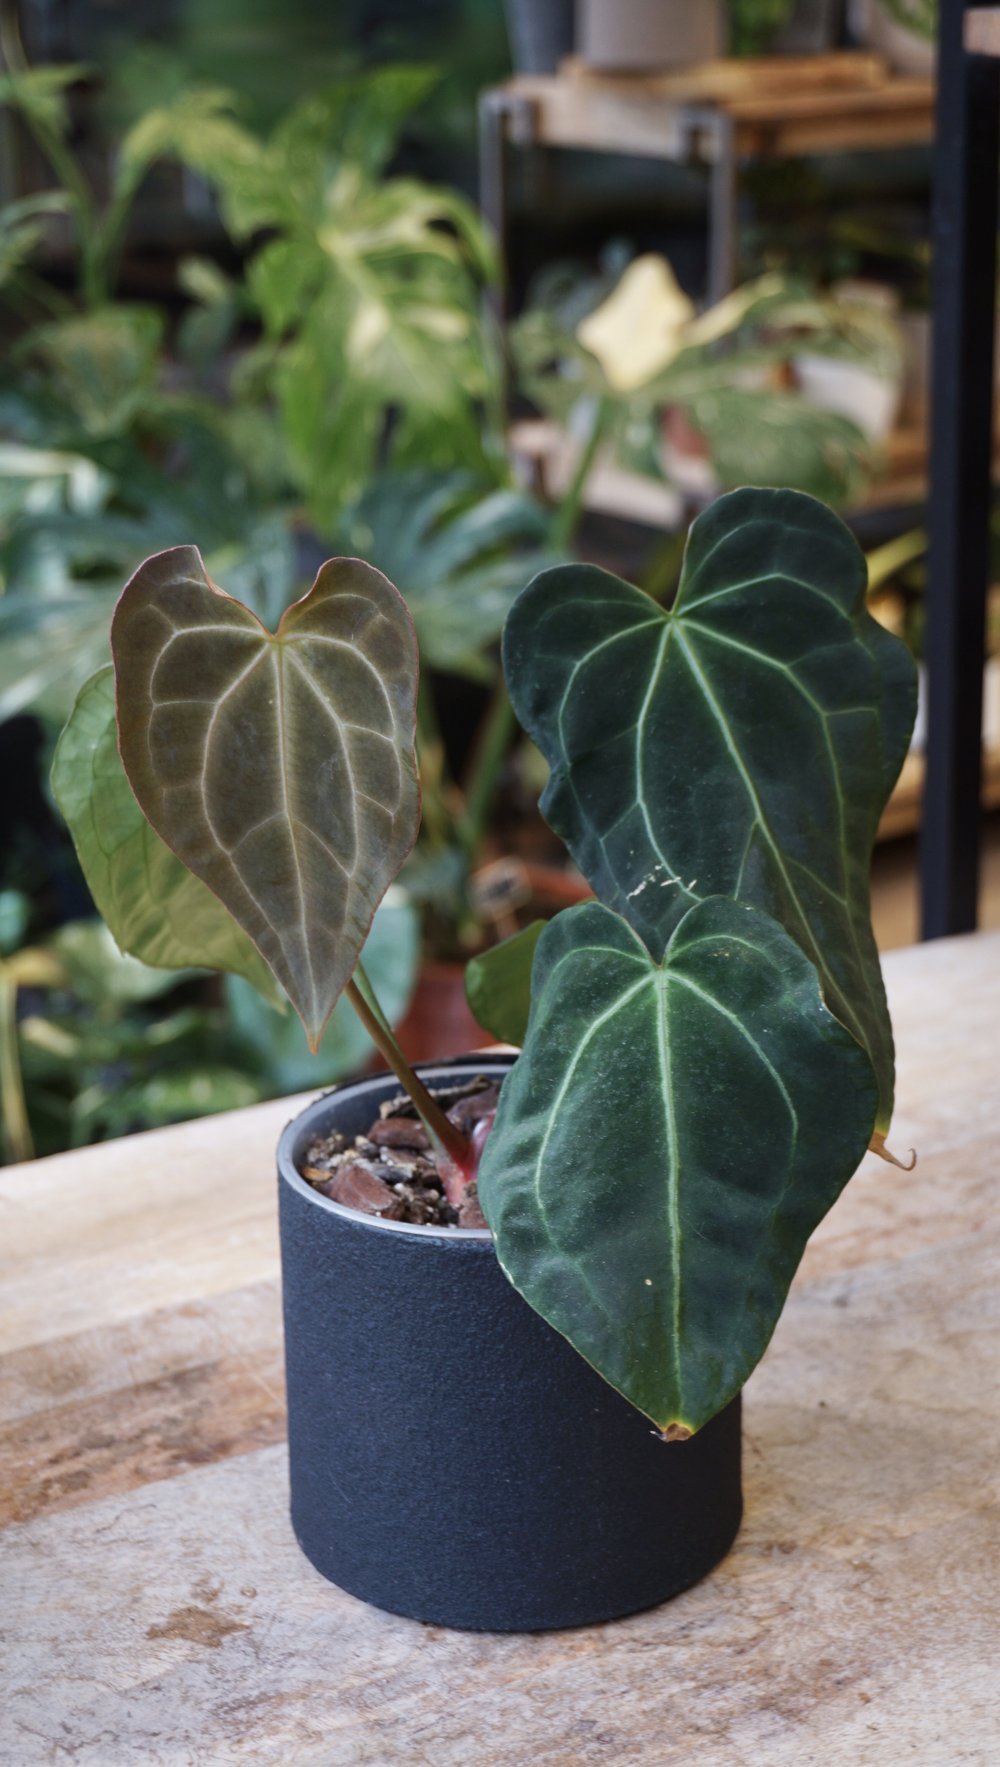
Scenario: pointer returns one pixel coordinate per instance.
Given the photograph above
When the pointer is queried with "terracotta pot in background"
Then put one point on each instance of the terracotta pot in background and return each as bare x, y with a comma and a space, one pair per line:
439, 1020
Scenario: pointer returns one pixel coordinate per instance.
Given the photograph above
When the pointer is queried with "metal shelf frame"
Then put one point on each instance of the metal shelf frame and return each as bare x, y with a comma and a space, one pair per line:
964, 235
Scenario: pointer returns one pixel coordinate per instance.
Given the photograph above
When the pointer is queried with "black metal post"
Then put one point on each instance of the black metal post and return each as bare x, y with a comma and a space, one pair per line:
967, 147
493, 111
723, 223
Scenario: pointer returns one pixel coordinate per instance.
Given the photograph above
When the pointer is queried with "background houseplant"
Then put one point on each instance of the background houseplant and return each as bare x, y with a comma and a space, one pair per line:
706, 401
708, 1051
124, 425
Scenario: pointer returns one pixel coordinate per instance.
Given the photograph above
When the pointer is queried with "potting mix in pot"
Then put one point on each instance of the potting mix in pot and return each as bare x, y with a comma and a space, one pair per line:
706, 1051
394, 1171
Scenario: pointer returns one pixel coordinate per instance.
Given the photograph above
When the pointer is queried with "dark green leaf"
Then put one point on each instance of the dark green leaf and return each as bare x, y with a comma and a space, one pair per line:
666, 1144
498, 985
743, 743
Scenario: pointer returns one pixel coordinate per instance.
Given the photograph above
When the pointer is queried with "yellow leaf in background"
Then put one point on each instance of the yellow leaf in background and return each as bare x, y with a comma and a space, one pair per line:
640, 328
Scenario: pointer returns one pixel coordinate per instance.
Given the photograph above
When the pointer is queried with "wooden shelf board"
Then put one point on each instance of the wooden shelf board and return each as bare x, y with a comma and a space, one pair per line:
732, 77
612, 491
777, 106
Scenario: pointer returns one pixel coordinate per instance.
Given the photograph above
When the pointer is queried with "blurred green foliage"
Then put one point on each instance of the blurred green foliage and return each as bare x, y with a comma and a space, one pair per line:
341, 388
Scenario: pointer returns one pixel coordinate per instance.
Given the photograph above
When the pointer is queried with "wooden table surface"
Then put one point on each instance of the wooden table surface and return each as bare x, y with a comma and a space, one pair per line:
156, 1608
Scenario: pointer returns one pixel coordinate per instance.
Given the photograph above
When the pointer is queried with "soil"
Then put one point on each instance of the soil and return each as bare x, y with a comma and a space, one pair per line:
391, 1170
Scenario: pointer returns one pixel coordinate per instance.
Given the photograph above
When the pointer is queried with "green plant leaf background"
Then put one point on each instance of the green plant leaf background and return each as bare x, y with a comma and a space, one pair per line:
498, 984
391, 958
457, 555
666, 1143
156, 909
743, 743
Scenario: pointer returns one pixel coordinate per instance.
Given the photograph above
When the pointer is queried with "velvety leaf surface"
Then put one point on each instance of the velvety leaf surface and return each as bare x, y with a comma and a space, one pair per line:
742, 743
155, 907
498, 984
278, 767
666, 1143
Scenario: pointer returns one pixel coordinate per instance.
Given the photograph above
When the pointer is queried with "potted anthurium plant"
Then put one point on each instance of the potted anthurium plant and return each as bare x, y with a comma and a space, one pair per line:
553, 1400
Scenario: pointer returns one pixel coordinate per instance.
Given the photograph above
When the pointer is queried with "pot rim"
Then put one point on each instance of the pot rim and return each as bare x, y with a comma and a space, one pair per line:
289, 1173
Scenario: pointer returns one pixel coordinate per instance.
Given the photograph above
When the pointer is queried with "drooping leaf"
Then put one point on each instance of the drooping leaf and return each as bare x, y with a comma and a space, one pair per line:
742, 743
156, 909
498, 984
276, 1041
666, 1143
279, 767
37, 479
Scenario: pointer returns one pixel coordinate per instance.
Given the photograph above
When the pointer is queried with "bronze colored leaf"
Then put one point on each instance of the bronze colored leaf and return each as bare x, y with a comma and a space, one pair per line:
278, 766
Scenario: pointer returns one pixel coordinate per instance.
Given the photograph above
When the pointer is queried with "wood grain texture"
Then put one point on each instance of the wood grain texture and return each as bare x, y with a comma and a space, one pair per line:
157, 1608
853, 109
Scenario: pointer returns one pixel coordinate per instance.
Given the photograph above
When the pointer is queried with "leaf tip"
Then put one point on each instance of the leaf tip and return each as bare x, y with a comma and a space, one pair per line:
674, 1431
877, 1145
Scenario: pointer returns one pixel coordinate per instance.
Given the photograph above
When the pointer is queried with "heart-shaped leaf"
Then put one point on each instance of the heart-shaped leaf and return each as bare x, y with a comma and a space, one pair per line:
667, 1142
153, 905
279, 767
742, 744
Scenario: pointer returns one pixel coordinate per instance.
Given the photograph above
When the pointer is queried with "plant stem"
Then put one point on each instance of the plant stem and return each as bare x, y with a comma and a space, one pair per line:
885, 560
16, 1127
567, 516
63, 162
370, 997
445, 1134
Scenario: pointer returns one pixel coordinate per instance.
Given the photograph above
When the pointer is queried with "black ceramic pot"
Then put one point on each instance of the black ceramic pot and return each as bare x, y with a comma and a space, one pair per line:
452, 1457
